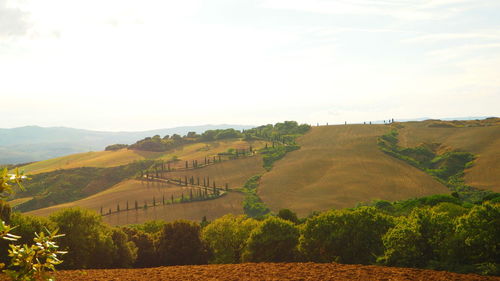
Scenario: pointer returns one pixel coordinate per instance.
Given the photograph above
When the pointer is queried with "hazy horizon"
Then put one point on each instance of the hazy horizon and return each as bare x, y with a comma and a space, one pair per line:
135, 66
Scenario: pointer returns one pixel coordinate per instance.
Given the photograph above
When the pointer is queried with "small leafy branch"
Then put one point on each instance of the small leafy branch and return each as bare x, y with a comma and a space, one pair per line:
34, 262
27, 262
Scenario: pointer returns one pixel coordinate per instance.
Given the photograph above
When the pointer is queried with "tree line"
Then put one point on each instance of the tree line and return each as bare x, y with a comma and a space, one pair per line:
283, 132
435, 234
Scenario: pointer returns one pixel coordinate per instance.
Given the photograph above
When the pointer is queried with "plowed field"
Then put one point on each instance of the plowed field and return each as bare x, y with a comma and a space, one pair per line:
266, 271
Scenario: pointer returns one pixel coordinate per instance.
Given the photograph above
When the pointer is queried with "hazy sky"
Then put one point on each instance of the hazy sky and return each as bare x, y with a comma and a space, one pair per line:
137, 65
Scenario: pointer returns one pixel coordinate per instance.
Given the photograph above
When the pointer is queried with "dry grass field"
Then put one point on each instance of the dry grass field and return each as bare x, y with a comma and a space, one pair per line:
132, 190
196, 151
232, 203
267, 271
129, 190
339, 166
234, 172
484, 142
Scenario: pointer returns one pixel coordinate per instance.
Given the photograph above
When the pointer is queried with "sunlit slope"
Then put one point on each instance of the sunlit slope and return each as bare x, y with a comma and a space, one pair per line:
212, 209
234, 172
129, 190
339, 166
196, 151
484, 142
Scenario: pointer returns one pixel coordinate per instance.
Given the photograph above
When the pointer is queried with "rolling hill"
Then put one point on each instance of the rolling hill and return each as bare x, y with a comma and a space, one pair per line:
34, 143
339, 166
336, 167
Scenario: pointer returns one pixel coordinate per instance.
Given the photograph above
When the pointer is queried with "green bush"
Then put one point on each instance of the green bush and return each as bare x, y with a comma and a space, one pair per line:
273, 240
145, 243
252, 204
179, 243
419, 240
480, 232
345, 236
288, 215
85, 227
227, 237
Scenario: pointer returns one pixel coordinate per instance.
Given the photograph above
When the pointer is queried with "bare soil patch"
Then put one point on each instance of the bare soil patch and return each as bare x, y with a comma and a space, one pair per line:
267, 271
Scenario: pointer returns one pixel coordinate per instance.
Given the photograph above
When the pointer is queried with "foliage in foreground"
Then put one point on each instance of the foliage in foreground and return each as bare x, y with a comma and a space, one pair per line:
32, 262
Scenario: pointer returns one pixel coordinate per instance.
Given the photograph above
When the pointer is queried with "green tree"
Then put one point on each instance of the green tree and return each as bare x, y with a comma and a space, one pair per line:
227, 237
273, 240
419, 240
480, 232
179, 243
88, 238
125, 251
288, 215
146, 252
345, 236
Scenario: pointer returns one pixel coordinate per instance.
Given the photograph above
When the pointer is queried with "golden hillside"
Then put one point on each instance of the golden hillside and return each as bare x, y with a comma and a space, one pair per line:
339, 166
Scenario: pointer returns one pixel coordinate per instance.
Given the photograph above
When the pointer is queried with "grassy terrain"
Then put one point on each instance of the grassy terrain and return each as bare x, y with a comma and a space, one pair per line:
128, 190
196, 151
212, 209
234, 172
339, 166
481, 138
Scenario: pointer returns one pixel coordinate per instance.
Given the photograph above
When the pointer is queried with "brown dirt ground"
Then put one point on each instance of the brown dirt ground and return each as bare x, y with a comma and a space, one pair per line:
339, 166
267, 271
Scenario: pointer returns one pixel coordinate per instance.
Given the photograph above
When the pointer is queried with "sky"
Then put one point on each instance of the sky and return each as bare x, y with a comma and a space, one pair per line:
134, 65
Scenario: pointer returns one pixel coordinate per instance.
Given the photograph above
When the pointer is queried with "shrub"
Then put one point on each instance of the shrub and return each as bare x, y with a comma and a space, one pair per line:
146, 252
480, 232
227, 237
125, 251
87, 238
273, 240
288, 215
179, 243
345, 236
418, 240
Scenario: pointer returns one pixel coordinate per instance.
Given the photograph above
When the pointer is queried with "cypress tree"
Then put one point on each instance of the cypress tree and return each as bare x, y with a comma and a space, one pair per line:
227, 187
220, 159
109, 212
186, 164
145, 204
204, 181
185, 180
127, 205
182, 197
136, 205
101, 210
214, 159
118, 207
208, 181
163, 199
191, 194
154, 201
172, 197
198, 181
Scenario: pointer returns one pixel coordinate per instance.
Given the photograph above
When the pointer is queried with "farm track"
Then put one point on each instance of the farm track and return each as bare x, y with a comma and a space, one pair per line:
267, 271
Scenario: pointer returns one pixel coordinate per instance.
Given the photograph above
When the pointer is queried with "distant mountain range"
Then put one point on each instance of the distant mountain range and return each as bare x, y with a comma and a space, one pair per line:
34, 143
